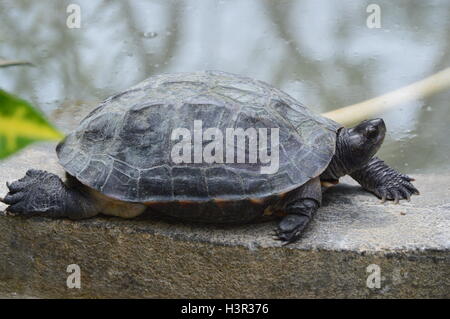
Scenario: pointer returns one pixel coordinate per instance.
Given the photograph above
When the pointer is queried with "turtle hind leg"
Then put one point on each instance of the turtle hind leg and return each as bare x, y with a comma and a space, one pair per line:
292, 226
300, 206
43, 193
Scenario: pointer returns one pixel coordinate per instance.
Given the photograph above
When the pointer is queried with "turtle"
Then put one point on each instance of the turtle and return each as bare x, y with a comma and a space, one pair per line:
146, 150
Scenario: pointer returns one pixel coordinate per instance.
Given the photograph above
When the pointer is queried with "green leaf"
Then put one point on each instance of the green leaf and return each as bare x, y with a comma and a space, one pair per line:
21, 124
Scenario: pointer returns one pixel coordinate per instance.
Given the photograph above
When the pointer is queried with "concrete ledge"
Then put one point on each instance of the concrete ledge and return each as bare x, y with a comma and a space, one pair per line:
149, 257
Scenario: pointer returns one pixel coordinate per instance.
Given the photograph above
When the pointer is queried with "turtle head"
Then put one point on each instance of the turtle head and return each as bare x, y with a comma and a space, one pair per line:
364, 140
355, 147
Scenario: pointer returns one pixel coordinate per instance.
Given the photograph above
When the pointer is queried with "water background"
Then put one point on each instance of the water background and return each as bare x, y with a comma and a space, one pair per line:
320, 52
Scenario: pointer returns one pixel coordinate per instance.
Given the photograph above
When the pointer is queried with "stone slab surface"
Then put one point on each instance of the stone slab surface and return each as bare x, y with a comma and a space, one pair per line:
151, 257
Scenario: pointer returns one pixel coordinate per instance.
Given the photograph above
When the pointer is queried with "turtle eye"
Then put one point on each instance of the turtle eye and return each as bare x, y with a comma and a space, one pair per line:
371, 132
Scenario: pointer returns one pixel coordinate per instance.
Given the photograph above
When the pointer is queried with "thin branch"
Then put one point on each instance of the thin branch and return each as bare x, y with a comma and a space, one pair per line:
357, 112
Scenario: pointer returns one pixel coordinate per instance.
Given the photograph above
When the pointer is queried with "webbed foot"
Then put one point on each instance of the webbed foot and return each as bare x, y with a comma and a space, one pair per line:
37, 192
291, 227
384, 181
398, 187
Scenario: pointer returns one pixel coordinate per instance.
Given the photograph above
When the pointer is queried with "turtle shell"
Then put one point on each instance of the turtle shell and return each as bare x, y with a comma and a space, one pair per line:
123, 147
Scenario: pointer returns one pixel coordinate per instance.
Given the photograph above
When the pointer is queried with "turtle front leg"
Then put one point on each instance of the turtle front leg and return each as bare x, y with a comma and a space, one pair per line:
384, 181
43, 193
300, 206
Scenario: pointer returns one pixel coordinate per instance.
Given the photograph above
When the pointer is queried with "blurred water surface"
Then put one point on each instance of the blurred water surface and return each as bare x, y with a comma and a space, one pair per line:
320, 52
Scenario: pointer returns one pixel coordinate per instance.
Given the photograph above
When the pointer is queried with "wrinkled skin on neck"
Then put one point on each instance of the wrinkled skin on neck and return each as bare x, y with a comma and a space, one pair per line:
354, 148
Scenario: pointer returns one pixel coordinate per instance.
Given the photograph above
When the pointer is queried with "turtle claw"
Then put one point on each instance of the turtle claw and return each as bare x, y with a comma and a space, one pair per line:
396, 196
407, 178
383, 194
274, 235
277, 238
408, 197
287, 243
274, 232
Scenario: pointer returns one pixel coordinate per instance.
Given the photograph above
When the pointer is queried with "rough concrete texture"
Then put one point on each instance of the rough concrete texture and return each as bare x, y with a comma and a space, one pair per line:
150, 257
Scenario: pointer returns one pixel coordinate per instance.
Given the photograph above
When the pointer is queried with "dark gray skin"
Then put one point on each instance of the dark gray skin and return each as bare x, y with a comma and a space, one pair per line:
43, 193
355, 150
